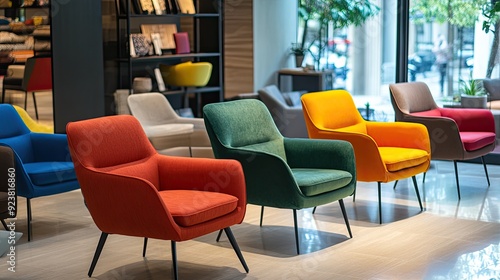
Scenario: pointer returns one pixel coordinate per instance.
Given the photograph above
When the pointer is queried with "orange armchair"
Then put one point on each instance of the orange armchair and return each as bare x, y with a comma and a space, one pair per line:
384, 151
132, 190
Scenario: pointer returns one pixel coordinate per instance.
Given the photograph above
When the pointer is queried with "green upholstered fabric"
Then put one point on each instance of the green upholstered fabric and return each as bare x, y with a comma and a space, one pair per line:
275, 167
317, 181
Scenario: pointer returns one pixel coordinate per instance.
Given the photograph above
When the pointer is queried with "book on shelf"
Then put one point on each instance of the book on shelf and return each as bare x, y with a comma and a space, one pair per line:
182, 43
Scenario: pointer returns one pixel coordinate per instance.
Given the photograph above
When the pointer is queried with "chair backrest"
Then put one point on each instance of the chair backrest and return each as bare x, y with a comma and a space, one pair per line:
37, 74
187, 74
31, 123
272, 94
15, 133
492, 86
333, 109
108, 142
244, 123
151, 108
410, 98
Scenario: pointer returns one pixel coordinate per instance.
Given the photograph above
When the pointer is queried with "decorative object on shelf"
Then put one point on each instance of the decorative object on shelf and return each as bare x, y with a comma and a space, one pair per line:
146, 7
142, 84
5, 3
43, 2
182, 43
140, 44
166, 32
160, 7
472, 94
186, 6
159, 80
155, 37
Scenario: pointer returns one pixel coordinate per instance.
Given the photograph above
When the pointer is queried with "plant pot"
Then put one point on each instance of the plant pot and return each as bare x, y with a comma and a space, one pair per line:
469, 101
299, 59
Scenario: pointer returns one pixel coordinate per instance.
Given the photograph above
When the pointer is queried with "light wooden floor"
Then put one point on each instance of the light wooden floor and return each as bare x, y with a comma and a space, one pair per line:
451, 239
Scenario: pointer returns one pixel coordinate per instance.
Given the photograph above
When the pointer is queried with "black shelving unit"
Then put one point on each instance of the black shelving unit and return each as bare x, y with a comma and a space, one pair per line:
205, 28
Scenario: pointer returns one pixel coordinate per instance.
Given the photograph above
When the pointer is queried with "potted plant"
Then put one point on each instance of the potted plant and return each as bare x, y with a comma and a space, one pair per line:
299, 52
472, 94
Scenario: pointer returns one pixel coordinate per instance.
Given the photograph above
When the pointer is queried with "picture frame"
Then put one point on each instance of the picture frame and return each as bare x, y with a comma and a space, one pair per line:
146, 7
166, 32
186, 7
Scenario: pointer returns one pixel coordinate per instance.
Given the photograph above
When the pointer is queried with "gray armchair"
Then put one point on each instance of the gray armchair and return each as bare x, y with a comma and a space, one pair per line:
286, 110
492, 86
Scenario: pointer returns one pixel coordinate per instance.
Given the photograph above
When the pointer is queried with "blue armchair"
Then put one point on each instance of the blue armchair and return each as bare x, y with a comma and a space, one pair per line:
43, 163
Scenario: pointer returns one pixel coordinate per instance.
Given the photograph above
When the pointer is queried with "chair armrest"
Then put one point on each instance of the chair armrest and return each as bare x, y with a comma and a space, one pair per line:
269, 180
471, 119
199, 123
50, 147
369, 164
399, 134
322, 154
203, 174
444, 136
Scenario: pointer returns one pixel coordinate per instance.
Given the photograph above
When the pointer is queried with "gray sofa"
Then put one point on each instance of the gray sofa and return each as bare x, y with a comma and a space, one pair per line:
286, 110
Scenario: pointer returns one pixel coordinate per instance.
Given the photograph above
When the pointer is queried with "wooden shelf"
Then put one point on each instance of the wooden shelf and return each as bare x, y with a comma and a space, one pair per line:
201, 15
153, 58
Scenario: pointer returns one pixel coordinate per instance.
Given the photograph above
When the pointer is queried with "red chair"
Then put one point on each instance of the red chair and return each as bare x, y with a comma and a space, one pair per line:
37, 77
130, 189
455, 133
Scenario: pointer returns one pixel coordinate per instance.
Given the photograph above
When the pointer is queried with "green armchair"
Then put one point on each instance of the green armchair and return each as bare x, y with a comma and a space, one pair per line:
290, 173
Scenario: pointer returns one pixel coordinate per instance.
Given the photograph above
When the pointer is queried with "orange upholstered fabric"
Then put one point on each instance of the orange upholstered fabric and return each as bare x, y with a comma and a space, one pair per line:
384, 151
130, 189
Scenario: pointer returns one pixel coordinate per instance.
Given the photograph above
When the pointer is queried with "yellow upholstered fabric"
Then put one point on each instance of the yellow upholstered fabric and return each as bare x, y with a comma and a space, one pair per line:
384, 151
32, 124
187, 74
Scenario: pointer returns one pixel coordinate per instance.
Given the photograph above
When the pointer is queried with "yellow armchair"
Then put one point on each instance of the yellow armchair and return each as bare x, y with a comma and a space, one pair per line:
32, 124
187, 74
384, 151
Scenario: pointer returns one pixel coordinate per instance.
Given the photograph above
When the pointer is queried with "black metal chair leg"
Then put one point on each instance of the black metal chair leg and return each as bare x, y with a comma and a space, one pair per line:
417, 191
174, 259
456, 178
28, 206
379, 202
344, 213
97, 253
4, 224
236, 248
354, 196
261, 215
485, 170
144, 247
314, 209
296, 231
218, 235
3, 94
423, 179
34, 103
395, 184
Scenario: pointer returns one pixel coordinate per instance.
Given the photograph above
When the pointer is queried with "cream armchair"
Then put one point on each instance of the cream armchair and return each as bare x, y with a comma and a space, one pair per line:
169, 133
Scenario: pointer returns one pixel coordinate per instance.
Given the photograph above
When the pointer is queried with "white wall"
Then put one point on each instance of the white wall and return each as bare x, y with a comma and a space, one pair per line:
275, 29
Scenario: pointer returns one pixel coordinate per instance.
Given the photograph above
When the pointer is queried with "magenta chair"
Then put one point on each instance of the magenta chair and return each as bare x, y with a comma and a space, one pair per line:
455, 133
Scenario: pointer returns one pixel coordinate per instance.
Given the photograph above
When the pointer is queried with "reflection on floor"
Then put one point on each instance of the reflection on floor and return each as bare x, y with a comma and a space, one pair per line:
451, 239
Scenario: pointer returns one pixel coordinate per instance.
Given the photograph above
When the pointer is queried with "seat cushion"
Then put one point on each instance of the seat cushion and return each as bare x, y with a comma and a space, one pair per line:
47, 173
190, 207
396, 158
477, 140
317, 181
430, 113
